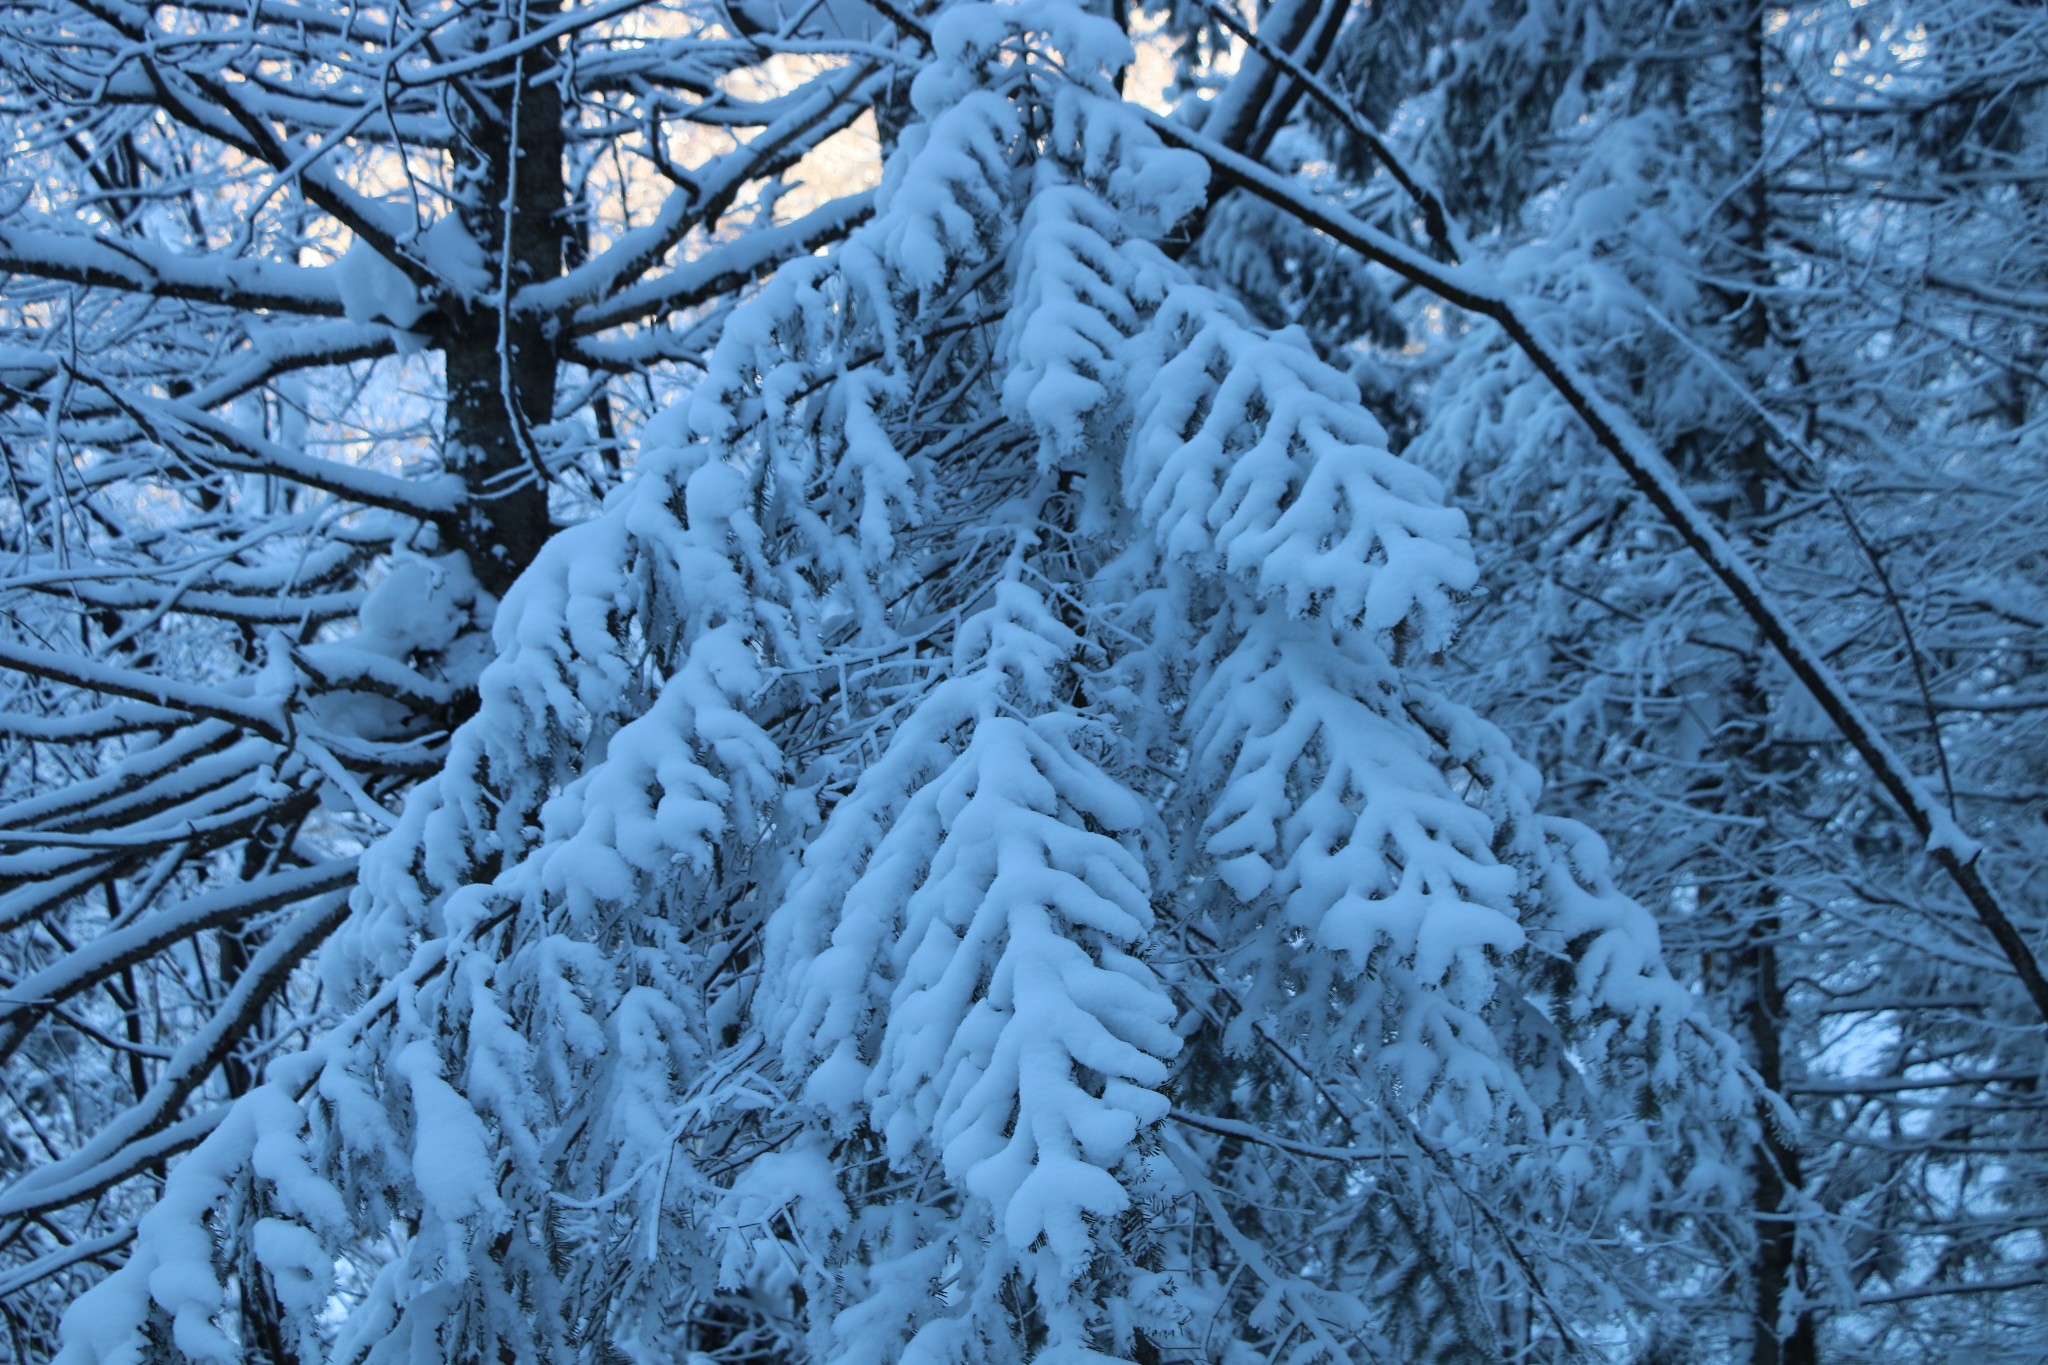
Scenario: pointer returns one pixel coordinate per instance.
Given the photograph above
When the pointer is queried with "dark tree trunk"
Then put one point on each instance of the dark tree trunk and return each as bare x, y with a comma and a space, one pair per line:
501, 372
1757, 1001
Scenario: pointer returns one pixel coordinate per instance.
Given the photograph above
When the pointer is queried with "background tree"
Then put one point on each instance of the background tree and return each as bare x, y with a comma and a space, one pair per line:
1693, 195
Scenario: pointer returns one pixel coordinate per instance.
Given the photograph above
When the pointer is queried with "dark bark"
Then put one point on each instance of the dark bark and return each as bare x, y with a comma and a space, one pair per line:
501, 369
1756, 1002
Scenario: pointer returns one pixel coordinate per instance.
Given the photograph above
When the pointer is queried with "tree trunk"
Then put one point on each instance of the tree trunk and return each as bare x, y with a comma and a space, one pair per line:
1757, 1000
501, 371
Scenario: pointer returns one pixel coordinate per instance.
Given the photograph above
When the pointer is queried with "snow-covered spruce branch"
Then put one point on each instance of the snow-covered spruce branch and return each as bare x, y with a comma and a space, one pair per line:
990, 719
1469, 287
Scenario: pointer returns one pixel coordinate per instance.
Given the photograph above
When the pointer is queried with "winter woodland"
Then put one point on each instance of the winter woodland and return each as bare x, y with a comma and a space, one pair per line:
837, 682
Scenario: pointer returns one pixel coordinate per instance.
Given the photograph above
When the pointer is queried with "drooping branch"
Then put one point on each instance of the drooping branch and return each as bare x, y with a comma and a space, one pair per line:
1472, 288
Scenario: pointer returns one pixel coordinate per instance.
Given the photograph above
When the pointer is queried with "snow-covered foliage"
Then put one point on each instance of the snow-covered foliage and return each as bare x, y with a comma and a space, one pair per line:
962, 860
532, 953
893, 763
314, 320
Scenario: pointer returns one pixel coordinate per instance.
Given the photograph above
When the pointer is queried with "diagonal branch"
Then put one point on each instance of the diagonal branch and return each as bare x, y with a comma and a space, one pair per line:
111, 680
148, 1131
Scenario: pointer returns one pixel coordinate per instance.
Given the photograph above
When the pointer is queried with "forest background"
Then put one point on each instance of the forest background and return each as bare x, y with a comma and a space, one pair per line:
865, 681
